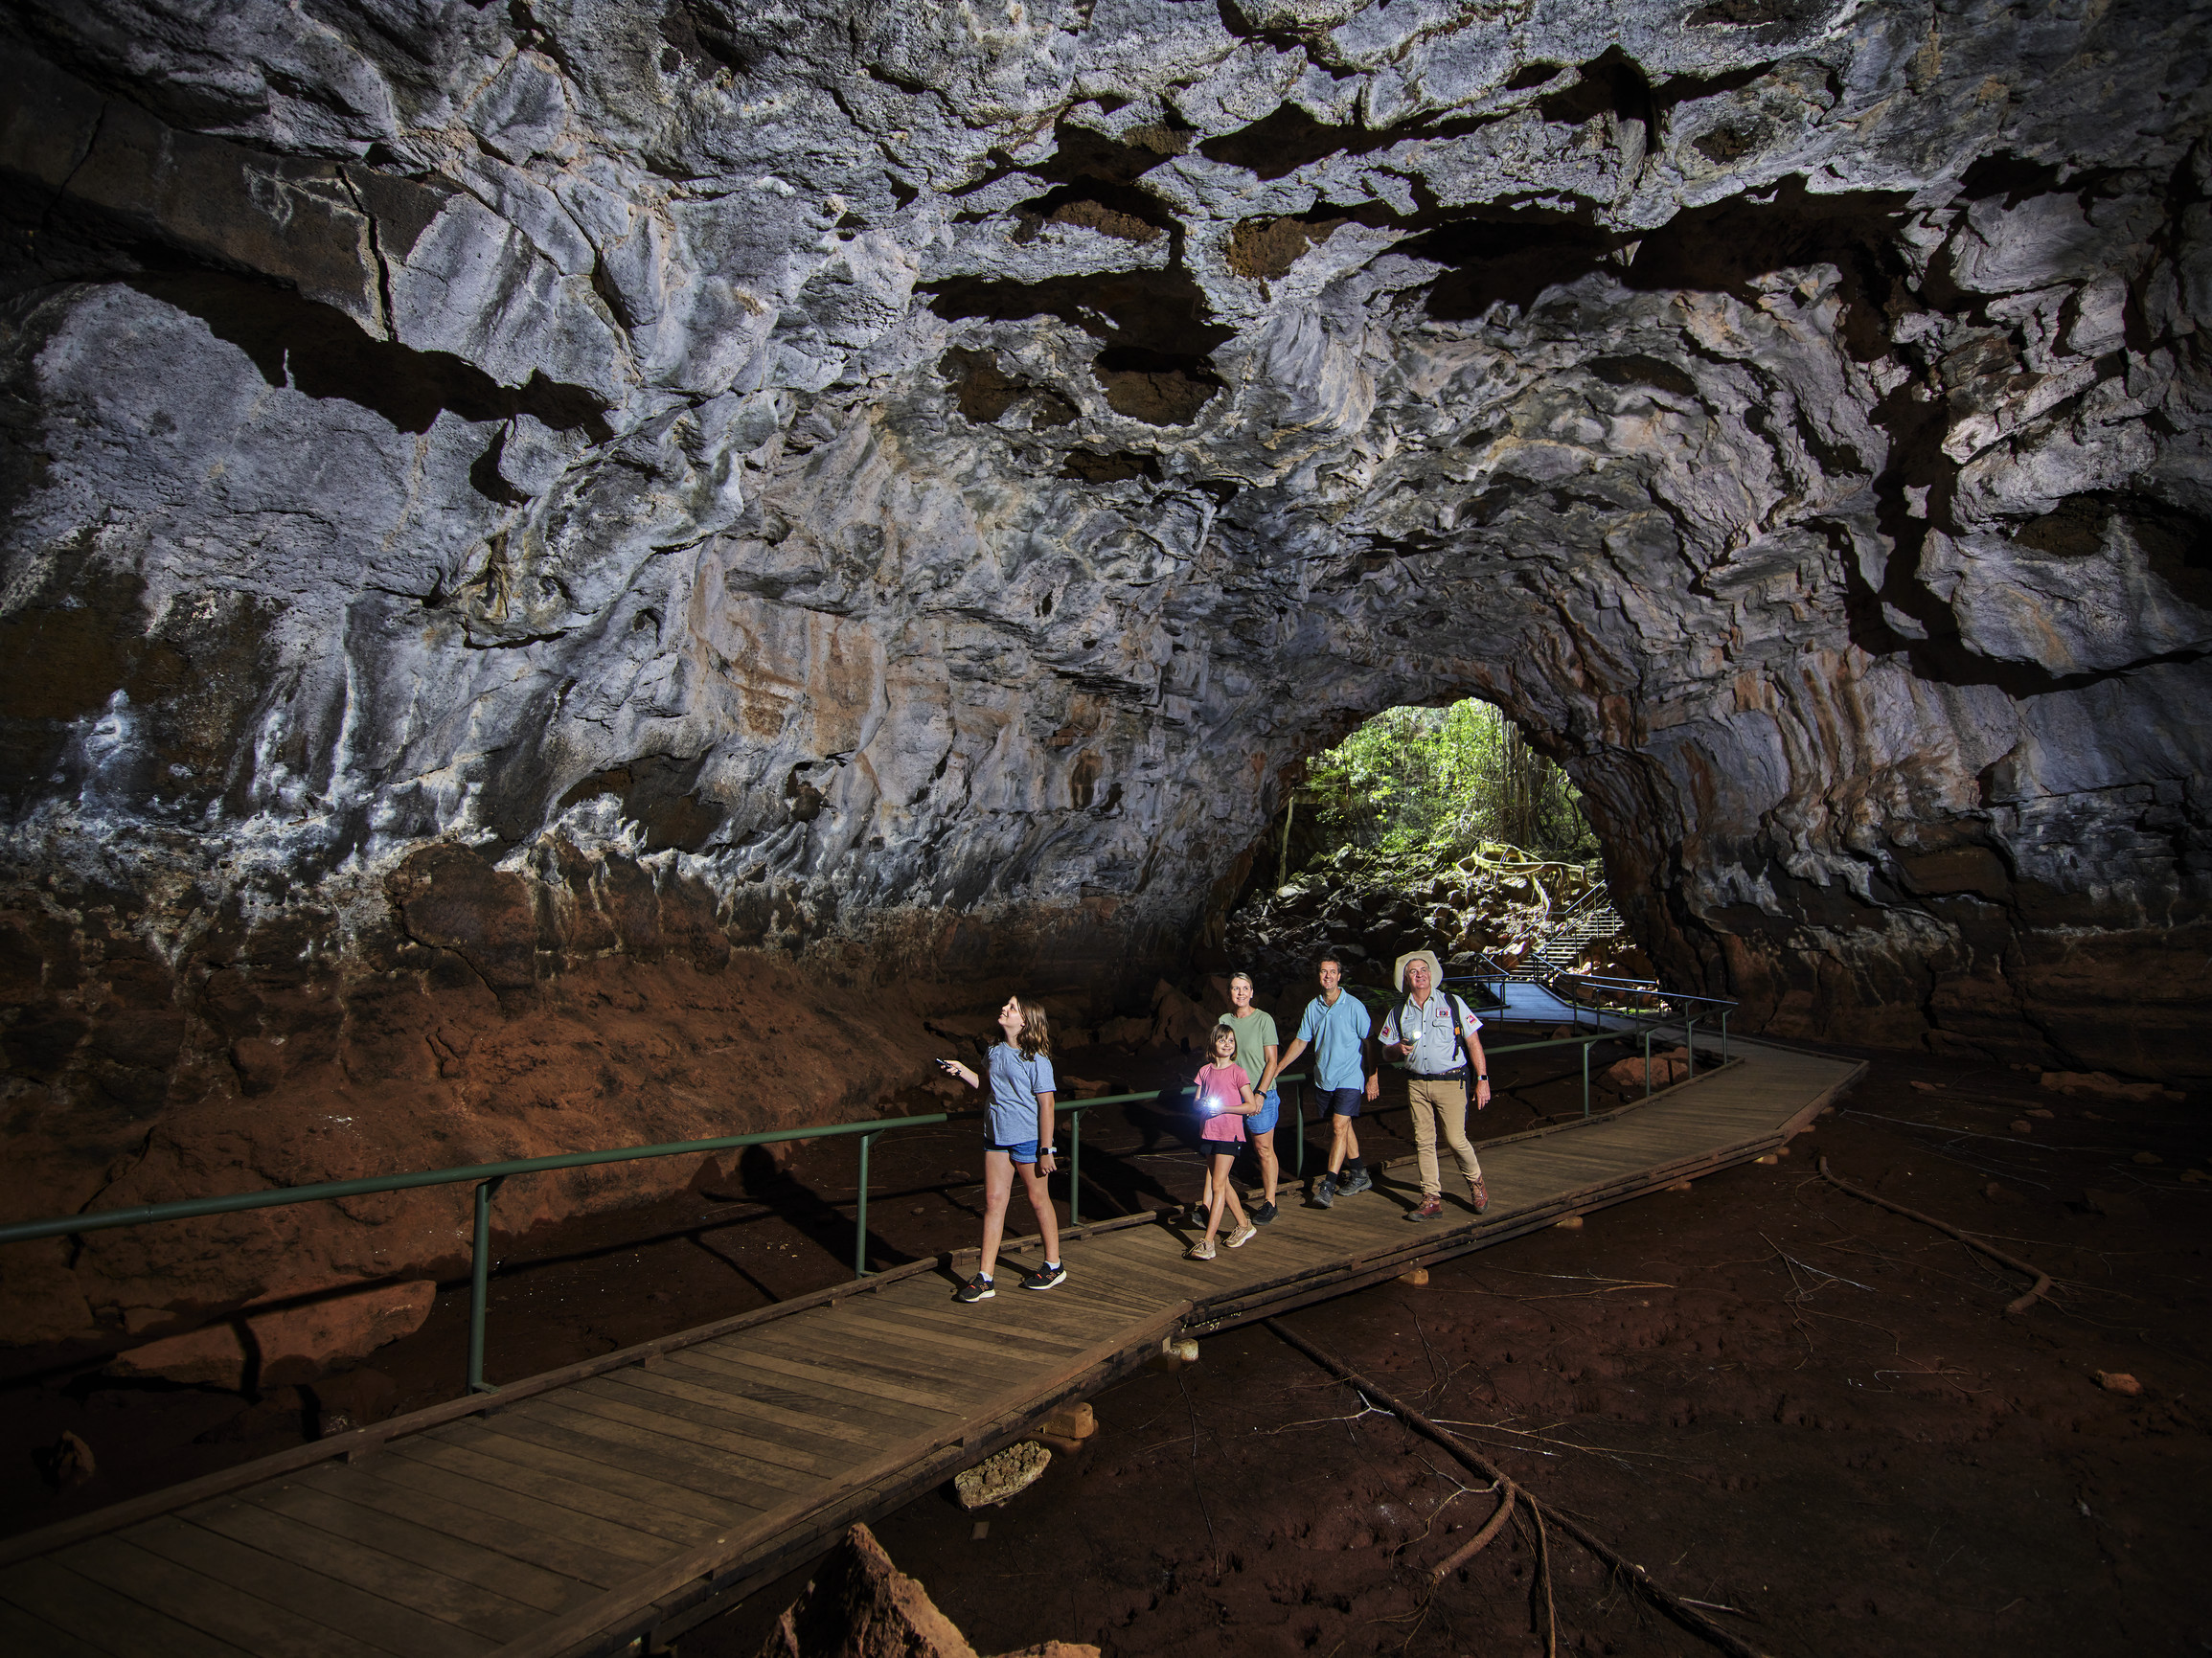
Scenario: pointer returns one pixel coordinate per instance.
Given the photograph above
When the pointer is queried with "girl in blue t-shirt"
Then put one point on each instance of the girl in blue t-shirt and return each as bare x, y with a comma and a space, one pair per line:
1018, 1136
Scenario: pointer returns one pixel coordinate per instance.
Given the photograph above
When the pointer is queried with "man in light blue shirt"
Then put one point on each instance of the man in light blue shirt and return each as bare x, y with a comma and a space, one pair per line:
1336, 1026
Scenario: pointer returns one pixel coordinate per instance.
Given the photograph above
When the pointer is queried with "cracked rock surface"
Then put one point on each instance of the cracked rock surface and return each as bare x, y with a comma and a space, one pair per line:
515, 507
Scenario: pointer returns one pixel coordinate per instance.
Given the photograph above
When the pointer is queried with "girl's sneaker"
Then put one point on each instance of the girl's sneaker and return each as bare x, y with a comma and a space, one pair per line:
977, 1288
1202, 1250
1045, 1276
1244, 1234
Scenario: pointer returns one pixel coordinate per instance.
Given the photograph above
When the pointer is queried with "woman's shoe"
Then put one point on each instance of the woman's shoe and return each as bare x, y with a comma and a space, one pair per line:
1202, 1250
1244, 1235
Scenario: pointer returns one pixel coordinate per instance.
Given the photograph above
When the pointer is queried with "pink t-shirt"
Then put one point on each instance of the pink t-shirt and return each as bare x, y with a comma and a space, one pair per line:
1220, 1091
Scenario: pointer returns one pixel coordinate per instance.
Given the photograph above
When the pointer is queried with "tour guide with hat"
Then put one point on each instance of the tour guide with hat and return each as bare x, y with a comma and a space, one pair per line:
1434, 1032
1337, 1026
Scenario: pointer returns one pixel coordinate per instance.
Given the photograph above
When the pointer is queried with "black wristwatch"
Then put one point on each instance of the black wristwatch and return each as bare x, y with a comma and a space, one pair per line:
1484, 1077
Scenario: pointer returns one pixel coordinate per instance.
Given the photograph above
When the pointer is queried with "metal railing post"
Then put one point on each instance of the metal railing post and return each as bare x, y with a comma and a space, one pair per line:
860, 1213
1075, 1168
1299, 1173
480, 1285
1690, 1043
1725, 1011
1647, 1061
1585, 1079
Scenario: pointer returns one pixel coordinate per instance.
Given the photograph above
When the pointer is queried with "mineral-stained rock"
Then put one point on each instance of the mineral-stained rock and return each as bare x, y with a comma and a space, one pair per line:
284, 1346
506, 506
859, 1605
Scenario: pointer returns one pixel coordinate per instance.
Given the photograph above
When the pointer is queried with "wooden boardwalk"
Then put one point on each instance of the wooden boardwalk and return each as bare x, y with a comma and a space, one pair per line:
635, 1494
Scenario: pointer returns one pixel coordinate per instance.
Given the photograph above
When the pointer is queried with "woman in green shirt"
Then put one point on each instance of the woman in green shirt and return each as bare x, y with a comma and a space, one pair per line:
1255, 1032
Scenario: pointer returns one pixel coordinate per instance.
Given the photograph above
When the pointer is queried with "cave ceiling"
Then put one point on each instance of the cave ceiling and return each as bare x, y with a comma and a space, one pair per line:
813, 466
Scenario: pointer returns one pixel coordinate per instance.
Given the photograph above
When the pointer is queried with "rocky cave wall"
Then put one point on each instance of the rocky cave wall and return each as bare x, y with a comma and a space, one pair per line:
549, 541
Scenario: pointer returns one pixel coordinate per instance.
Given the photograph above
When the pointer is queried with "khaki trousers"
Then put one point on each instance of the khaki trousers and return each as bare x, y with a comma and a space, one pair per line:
1447, 1100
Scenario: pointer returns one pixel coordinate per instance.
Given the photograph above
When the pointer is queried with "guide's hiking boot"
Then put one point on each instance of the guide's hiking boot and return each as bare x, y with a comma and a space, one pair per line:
977, 1288
1478, 1193
1043, 1276
1431, 1209
1202, 1250
1244, 1234
1357, 1180
1263, 1212
1325, 1192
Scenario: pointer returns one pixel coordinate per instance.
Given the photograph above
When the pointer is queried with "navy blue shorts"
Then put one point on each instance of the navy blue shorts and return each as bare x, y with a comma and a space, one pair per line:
1020, 1151
1343, 1101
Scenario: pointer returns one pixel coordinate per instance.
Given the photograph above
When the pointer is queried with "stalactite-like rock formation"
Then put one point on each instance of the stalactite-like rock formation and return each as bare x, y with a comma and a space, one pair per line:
508, 505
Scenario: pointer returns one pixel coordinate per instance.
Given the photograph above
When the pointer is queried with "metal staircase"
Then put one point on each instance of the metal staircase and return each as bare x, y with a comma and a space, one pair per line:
1567, 936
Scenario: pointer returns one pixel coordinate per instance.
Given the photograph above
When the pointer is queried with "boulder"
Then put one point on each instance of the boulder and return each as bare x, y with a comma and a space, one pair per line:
293, 1345
857, 1604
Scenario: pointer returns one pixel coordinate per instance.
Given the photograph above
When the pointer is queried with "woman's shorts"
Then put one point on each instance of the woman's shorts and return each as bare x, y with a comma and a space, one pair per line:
1020, 1151
1343, 1101
1263, 1120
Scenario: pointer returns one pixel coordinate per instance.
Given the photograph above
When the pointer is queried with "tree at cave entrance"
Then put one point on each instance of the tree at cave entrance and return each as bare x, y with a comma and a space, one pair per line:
1426, 785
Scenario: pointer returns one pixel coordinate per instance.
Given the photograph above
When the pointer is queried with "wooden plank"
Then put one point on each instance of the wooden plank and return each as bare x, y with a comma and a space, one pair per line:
86, 1609
941, 1338
671, 1460
310, 1594
843, 1418
559, 1540
526, 1586
352, 1560
663, 1434
29, 1545
819, 1395
748, 1436
23, 1633
829, 1373
1042, 1327
775, 1430
225, 1619
674, 1513
911, 1362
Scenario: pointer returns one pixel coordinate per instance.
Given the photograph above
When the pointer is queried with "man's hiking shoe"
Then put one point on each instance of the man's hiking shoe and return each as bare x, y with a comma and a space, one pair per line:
1478, 1193
1263, 1212
1045, 1276
1356, 1180
1202, 1250
1325, 1192
1431, 1209
1244, 1234
977, 1288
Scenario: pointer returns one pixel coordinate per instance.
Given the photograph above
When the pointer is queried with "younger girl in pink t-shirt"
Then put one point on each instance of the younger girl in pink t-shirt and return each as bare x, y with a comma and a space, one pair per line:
1225, 1098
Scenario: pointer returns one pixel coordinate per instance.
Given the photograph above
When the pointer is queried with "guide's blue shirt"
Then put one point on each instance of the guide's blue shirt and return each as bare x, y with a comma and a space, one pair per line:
1015, 1082
1334, 1034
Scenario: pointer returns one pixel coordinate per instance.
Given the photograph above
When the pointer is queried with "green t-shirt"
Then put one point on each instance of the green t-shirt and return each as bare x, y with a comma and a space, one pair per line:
1255, 1036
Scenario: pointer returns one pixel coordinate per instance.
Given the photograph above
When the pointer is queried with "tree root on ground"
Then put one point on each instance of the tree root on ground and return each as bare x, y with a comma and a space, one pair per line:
1511, 1496
2042, 1279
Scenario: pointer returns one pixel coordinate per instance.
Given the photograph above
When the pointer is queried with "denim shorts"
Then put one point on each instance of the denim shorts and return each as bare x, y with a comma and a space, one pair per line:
1262, 1120
1020, 1151
1343, 1101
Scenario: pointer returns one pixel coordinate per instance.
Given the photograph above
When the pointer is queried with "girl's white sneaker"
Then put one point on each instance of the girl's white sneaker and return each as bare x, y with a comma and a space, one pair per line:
1244, 1234
1202, 1250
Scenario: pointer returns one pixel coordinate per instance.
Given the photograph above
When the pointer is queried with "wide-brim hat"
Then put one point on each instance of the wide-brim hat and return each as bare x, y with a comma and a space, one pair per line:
1435, 967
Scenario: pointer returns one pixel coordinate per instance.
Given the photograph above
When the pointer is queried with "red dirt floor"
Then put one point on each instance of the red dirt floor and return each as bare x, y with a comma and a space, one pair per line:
1774, 1397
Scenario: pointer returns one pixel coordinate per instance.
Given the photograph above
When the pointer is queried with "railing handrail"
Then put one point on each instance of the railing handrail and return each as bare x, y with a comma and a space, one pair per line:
278, 1197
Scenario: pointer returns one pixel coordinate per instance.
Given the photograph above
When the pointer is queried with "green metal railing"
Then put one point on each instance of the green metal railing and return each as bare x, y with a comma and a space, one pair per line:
489, 1178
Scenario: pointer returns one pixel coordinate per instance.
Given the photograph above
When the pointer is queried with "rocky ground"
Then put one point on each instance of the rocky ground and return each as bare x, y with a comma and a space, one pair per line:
1495, 902
1774, 1397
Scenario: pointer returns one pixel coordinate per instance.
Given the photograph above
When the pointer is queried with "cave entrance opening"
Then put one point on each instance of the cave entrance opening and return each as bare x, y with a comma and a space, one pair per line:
1417, 786
1432, 827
